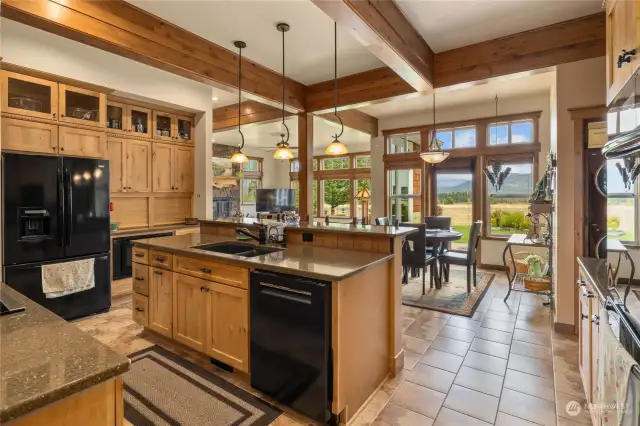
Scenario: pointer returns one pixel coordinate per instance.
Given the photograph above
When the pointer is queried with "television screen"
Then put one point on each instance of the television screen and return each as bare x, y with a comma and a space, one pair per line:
275, 200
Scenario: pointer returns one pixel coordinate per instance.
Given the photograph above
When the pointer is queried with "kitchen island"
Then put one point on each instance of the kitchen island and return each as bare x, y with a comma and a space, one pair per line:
197, 289
52, 373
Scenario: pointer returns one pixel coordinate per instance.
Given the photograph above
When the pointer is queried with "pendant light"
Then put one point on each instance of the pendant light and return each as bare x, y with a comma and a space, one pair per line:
336, 147
434, 153
239, 157
495, 172
283, 152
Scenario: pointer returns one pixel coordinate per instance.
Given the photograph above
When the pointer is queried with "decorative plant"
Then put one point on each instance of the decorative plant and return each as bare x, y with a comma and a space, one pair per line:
496, 175
629, 171
535, 265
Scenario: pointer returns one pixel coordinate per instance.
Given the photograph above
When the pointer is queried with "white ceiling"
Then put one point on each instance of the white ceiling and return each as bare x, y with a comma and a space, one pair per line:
449, 24
503, 87
266, 135
221, 98
309, 43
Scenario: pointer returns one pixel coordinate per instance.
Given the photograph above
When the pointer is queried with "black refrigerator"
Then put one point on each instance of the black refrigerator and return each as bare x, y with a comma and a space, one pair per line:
56, 210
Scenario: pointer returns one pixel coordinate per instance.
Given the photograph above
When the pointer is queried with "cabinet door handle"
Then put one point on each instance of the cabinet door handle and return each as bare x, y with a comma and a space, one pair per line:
595, 319
54, 115
581, 283
587, 293
139, 309
139, 279
62, 115
584, 316
157, 272
139, 255
62, 148
160, 259
625, 57
201, 288
206, 270
176, 188
207, 289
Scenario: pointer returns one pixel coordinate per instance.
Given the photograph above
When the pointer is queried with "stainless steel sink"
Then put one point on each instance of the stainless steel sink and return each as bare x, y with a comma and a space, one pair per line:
238, 249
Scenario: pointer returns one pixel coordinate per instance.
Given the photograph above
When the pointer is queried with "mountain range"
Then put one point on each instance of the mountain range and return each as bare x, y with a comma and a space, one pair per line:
517, 183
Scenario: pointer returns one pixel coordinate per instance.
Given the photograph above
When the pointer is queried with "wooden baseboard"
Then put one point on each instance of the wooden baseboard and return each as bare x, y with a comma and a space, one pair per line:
396, 363
491, 267
121, 287
563, 328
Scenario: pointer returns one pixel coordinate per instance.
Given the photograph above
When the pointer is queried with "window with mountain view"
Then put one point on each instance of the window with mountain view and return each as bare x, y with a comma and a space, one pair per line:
455, 200
622, 206
508, 207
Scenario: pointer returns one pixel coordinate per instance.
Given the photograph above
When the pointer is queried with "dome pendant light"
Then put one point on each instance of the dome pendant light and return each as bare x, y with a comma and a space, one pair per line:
336, 147
434, 154
239, 157
283, 152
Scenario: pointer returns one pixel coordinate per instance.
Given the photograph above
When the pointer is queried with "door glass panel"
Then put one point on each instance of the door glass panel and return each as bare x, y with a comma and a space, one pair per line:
455, 201
81, 106
163, 125
405, 189
184, 129
114, 117
29, 96
404, 143
139, 120
363, 205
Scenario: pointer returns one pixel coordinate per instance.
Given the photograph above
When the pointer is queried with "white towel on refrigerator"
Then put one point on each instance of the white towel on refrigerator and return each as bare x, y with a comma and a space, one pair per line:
61, 279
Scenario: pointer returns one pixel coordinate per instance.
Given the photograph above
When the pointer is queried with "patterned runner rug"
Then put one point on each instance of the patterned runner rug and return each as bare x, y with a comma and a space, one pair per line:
163, 389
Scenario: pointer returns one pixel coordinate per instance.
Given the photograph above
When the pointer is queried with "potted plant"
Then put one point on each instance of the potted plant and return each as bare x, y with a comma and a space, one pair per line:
535, 279
535, 265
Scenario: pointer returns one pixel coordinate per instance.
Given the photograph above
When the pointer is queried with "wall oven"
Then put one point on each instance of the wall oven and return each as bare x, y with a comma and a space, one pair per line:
122, 257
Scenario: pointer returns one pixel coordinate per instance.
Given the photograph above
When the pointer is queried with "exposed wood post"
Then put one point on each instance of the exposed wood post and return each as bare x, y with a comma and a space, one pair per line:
305, 157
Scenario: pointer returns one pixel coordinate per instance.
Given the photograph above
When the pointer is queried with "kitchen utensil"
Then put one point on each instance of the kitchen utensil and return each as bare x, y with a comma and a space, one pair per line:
24, 102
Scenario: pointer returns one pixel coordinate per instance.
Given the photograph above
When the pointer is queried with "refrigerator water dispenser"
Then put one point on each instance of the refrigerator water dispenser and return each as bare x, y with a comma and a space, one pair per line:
34, 224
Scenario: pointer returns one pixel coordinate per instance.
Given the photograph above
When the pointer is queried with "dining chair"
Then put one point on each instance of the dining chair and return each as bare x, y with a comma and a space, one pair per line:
382, 221
414, 254
438, 222
467, 259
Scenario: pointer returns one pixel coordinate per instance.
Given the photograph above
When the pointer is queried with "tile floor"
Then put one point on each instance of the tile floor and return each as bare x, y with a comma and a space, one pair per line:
504, 366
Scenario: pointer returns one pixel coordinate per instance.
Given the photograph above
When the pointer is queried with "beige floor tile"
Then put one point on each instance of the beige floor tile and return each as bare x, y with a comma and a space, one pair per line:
394, 382
395, 415
488, 363
457, 333
537, 316
498, 325
452, 346
529, 384
506, 420
421, 330
442, 360
415, 344
449, 417
566, 422
478, 315
563, 400
504, 308
419, 399
406, 322
494, 335
410, 311
532, 300
539, 326
472, 403
565, 347
480, 381
529, 365
500, 316
490, 348
530, 350
567, 377
283, 420
435, 314
528, 407
410, 359
465, 323
532, 337
431, 377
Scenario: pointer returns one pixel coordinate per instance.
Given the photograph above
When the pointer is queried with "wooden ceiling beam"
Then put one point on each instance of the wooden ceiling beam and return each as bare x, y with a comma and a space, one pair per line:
251, 112
120, 28
384, 30
568, 41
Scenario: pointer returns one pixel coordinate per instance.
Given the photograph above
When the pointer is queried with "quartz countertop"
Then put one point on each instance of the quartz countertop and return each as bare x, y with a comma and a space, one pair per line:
311, 262
320, 226
44, 359
134, 231
595, 271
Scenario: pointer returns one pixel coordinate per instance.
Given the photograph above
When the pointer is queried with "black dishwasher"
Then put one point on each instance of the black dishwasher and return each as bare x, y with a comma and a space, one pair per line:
291, 358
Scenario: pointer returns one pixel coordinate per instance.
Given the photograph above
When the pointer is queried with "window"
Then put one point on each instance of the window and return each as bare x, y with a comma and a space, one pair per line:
405, 189
359, 185
336, 163
336, 197
295, 184
248, 190
509, 207
404, 143
455, 200
363, 162
622, 207
253, 165
520, 131
295, 165
461, 137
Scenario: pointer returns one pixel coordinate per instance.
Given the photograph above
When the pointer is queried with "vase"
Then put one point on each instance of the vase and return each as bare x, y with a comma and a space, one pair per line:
534, 269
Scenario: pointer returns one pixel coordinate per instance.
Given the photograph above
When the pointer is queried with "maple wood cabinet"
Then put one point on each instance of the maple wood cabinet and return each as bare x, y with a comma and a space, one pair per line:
29, 96
27, 136
189, 311
82, 142
82, 106
130, 165
172, 168
161, 301
623, 37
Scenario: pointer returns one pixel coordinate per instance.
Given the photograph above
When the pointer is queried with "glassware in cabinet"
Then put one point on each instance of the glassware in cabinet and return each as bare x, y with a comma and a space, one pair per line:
164, 126
81, 106
185, 128
140, 121
117, 119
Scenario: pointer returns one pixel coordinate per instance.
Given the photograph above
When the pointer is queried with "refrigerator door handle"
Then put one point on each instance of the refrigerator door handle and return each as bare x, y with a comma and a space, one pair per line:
69, 207
61, 207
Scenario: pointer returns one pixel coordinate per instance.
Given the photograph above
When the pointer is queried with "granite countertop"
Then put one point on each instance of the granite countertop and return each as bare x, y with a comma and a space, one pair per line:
320, 226
595, 271
45, 359
311, 262
134, 231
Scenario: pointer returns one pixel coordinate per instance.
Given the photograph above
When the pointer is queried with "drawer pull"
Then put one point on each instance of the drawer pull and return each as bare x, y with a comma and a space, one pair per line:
206, 270
625, 57
160, 259
595, 319
584, 316
139, 309
157, 272
587, 293
581, 283
201, 288
139, 255
139, 278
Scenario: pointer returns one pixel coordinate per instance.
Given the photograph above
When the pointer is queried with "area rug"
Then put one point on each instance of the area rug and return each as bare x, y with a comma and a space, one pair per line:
163, 389
452, 298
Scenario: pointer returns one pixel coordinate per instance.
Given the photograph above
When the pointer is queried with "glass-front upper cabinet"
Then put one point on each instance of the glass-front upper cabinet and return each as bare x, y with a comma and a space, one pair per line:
117, 120
164, 126
185, 128
29, 96
140, 121
81, 106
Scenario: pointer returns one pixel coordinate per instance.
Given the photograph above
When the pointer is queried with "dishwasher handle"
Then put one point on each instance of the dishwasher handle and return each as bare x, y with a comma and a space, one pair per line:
285, 293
